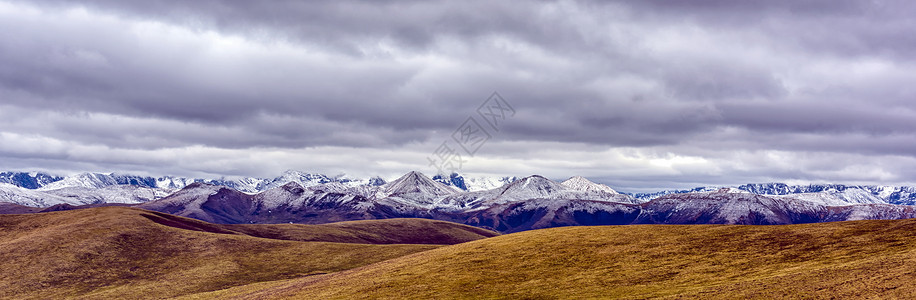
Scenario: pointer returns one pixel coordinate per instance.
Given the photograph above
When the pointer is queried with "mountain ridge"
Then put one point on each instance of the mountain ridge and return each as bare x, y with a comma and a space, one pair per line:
526, 203
904, 195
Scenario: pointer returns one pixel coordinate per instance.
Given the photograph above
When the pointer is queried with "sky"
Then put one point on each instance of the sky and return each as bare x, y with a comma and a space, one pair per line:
639, 95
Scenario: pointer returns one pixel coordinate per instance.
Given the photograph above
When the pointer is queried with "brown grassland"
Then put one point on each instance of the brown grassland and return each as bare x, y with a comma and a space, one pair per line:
118, 252
858, 259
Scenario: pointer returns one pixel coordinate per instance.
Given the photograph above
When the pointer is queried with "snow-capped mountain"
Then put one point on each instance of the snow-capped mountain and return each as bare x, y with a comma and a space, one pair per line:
532, 187
646, 197
79, 195
546, 213
830, 194
101, 180
413, 189
528, 203
309, 179
97, 188
736, 206
727, 206
190, 201
579, 183
411, 195
28, 180
97, 181
13, 194
838, 193
473, 184
245, 184
287, 203
847, 197
123, 193
721, 206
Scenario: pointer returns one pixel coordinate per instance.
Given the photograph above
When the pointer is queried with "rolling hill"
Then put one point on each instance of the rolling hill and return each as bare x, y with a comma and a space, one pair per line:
854, 259
123, 252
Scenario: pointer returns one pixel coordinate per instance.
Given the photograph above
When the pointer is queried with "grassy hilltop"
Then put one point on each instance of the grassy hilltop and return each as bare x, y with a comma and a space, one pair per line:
846, 259
131, 253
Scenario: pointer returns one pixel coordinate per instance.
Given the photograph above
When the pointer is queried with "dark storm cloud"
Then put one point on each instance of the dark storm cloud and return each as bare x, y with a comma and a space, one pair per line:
695, 79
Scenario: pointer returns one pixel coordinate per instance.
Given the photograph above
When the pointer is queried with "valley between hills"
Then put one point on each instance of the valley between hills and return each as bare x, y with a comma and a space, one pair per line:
131, 253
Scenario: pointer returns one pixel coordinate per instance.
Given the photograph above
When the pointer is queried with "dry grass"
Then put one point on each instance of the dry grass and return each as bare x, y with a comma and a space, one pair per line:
117, 252
861, 259
385, 231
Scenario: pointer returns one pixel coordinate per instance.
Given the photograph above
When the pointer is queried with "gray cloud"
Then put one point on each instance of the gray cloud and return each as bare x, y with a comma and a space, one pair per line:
662, 93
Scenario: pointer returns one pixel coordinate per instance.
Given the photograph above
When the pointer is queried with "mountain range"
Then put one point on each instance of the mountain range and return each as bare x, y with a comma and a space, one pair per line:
46, 182
505, 204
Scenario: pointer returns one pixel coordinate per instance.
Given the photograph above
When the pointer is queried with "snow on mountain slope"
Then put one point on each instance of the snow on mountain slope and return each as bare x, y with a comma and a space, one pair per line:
837, 193
546, 213
412, 192
303, 179
83, 180
732, 206
287, 194
416, 183
846, 197
186, 202
28, 180
473, 184
487, 183
333, 198
579, 183
902, 195
249, 185
287, 203
32, 198
129, 194
532, 187
646, 197
728, 206
528, 203
311, 179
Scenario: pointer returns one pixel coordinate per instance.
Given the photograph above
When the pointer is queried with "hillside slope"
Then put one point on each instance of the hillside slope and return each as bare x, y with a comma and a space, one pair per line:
385, 231
132, 253
856, 259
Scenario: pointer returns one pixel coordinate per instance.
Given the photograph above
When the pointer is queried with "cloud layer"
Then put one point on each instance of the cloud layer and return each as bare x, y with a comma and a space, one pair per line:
640, 95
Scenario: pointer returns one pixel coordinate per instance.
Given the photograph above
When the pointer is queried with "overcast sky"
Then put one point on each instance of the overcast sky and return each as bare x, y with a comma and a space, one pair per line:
640, 95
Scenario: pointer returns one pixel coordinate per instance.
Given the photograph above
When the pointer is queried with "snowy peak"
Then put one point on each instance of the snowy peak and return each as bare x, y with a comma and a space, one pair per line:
100, 180
293, 187
200, 186
534, 186
416, 183
192, 195
375, 181
310, 180
731, 191
474, 184
28, 180
22, 196
304, 179
454, 180
727, 206
579, 183
84, 180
